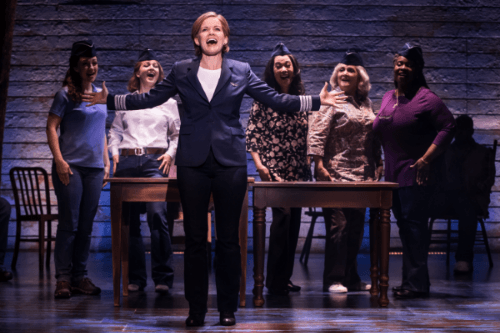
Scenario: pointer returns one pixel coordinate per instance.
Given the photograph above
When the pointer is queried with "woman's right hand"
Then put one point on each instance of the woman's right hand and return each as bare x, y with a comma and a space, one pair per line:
96, 97
116, 160
322, 174
264, 174
63, 171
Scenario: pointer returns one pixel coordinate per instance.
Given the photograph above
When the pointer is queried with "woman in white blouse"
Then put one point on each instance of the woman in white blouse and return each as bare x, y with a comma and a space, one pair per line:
143, 143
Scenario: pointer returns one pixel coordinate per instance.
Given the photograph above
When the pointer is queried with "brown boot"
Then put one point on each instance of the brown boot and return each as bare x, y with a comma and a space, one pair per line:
63, 289
86, 287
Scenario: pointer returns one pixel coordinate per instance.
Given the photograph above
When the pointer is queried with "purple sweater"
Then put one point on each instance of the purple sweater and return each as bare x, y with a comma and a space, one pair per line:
408, 129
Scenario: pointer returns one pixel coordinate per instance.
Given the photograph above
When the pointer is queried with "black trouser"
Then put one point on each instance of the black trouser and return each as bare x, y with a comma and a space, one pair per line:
282, 244
228, 186
344, 235
410, 206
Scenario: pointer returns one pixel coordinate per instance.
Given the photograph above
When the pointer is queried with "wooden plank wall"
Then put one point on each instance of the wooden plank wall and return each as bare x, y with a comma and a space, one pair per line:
460, 39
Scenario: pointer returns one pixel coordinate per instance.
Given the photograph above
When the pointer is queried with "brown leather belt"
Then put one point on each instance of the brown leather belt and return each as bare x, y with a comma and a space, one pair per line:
143, 151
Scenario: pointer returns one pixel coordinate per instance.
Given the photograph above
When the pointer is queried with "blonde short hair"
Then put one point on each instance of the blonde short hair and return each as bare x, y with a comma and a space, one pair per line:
364, 84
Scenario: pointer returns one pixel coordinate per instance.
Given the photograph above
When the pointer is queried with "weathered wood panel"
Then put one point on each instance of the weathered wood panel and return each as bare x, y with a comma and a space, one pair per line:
460, 39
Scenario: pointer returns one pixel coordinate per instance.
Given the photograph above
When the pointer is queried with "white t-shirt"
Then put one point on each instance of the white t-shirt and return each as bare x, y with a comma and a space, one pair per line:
209, 79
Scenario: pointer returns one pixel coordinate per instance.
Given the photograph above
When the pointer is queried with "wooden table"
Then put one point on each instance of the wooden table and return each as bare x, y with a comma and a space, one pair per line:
126, 190
375, 195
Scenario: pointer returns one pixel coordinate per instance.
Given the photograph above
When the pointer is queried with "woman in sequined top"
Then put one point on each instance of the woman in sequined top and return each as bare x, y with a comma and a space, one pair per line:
343, 146
277, 142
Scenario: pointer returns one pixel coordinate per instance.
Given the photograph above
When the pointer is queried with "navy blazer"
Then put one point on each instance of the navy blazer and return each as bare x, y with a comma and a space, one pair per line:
216, 123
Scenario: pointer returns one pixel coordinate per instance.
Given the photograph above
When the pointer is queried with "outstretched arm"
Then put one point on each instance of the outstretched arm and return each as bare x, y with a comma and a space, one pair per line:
156, 96
260, 91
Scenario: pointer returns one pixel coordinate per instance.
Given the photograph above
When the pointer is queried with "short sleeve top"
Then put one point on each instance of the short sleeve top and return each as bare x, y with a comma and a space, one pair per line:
82, 130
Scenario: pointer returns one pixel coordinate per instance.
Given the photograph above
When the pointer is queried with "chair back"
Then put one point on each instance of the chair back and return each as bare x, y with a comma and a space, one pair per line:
31, 192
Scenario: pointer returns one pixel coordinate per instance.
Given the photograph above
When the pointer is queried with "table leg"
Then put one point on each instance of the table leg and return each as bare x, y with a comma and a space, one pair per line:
116, 215
374, 250
243, 249
124, 245
385, 233
259, 248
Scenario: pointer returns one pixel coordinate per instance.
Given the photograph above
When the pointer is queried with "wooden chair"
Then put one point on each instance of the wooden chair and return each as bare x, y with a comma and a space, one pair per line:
452, 235
32, 199
314, 213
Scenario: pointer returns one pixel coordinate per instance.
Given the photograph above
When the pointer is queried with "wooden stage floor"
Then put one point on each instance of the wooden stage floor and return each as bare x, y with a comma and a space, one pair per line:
456, 304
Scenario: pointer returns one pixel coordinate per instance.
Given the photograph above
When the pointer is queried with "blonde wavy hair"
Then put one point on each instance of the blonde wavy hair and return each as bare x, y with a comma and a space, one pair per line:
364, 84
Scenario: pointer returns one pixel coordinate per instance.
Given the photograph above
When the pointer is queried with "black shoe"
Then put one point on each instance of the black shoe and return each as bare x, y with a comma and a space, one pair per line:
397, 288
5, 275
278, 292
360, 286
196, 319
227, 318
292, 287
409, 294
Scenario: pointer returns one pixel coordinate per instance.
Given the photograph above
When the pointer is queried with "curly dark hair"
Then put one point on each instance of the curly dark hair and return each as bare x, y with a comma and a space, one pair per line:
296, 87
73, 80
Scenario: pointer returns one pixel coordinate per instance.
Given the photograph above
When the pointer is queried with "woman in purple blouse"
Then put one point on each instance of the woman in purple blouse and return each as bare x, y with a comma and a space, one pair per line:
415, 127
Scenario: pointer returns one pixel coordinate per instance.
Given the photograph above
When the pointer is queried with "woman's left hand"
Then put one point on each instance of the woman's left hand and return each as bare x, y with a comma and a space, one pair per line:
423, 168
106, 171
166, 160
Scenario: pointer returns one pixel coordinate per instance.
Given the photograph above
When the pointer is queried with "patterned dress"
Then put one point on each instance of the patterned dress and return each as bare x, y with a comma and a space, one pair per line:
344, 137
281, 141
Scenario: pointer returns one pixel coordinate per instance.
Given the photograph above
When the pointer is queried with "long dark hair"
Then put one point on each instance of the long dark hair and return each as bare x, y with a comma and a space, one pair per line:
419, 78
73, 80
296, 87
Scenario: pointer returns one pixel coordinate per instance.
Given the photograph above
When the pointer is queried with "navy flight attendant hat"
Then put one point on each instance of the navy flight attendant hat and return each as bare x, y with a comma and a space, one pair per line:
280, 50
84, 48
352, 58
147, 54
412, 53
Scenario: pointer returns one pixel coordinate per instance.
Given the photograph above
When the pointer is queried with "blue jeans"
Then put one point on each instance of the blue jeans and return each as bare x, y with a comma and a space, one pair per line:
161, 247
4, 228
77, 204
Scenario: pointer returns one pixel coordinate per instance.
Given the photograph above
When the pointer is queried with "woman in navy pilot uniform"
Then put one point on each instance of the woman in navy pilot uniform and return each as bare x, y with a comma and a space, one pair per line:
211, 155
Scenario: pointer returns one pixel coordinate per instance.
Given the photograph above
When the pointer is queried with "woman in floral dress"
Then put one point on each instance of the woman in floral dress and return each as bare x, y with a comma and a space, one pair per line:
277, 142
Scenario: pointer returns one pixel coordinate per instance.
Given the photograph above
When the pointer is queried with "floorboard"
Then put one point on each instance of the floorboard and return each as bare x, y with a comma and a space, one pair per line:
456, 304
